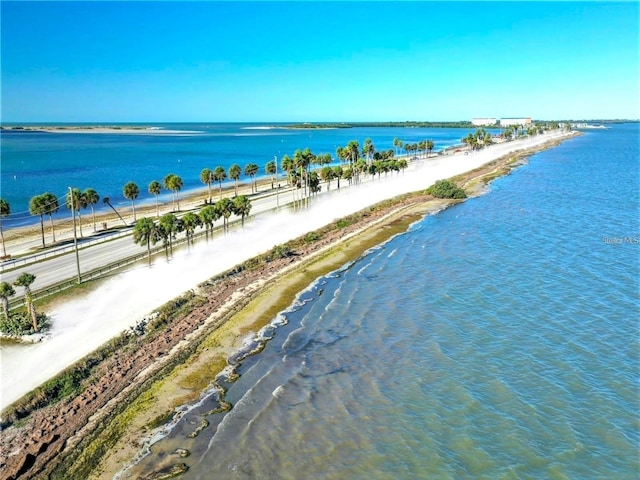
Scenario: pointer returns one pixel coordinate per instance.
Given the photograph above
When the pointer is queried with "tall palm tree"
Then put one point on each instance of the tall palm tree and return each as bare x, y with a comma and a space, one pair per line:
234, 174
189, 222
251, 170
51, 206
271, 168
107, 201
242, 207
220, 176
143, 233
5, 211
287, 165
326, 174
206, 177
38, 207
155, 188
170, 225
208, 215
337, 174
75, 201
6, 292
25, 280
91, 197
368, 149
174, 183
225, 208
131, 192
397, 143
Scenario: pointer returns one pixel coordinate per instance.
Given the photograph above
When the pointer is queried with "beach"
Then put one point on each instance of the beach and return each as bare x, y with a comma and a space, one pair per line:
437, 170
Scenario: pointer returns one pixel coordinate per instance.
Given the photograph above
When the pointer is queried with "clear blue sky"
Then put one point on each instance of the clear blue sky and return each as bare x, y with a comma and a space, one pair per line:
316, 61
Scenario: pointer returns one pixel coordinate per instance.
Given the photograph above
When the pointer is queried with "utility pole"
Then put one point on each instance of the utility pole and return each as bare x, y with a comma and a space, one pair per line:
75, 237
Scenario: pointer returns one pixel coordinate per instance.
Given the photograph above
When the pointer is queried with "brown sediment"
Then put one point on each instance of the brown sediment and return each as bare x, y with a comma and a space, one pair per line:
98, 431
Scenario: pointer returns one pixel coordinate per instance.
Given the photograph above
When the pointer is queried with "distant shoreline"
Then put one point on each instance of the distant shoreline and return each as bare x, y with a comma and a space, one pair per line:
98, 129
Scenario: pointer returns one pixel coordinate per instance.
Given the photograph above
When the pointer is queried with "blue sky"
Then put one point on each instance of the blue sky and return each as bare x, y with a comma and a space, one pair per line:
317, 61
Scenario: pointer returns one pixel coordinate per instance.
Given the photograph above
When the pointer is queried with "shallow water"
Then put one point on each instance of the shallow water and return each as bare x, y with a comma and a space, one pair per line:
497, 339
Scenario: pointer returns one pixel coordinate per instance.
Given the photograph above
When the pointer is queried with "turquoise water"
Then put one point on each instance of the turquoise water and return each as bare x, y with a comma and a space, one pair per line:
497, 339
36, 162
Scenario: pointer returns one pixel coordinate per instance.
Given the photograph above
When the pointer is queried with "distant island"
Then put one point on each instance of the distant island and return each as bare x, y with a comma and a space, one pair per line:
405, 124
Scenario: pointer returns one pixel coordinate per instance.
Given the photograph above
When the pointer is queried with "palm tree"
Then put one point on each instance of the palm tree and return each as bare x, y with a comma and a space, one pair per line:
75, 202
220, 176
251, 170
155, 188
287, 166
38, 207
174, 183
271, 169
368, 149
91, 197
430, 146
326, 174
25, 280
242, 207
107, 201
190, 221
6, 291
337, 174
143, 233
234, 174
225, 209
206, 177
397, 143
170, 225
208, 215
5, 211
51, 206
131, 192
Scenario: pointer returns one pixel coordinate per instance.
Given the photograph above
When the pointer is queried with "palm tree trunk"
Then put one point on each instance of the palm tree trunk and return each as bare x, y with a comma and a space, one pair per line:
53, 232
4, 248
80, 222
42, 229
93, 216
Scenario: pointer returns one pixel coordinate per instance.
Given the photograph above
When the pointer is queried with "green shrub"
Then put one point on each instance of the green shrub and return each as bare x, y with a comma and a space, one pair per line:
342, 223
312, 237
19, 323
446, 189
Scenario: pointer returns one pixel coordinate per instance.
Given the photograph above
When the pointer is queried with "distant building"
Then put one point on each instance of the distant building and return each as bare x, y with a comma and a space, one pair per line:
483, 122
506, 122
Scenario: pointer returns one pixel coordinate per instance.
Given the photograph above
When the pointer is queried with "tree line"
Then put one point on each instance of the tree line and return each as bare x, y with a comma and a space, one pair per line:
299, 170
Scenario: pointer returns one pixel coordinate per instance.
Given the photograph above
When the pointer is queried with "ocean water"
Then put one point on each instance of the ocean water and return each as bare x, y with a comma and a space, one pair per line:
496, 339
36, 162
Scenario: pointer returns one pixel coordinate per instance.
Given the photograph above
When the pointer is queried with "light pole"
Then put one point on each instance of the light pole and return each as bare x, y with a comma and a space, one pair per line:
75, 237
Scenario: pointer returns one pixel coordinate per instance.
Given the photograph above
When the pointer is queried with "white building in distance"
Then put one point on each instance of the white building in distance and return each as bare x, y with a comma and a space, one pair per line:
506, 122
483, 122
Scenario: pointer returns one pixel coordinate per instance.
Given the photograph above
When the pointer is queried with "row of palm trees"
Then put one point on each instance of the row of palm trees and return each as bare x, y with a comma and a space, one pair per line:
298, 169
147, 232
480, 139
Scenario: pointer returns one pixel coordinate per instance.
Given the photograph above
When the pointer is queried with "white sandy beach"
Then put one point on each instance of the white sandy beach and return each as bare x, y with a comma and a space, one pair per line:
83, 324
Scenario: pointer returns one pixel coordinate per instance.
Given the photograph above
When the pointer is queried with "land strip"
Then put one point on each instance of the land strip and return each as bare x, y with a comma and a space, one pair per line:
122, 392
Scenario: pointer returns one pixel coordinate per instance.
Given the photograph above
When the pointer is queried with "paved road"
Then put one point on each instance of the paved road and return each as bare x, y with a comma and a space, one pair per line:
112, 248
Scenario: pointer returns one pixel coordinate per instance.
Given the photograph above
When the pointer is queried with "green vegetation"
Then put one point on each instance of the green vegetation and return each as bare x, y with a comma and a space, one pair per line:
446, 189
408, 124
